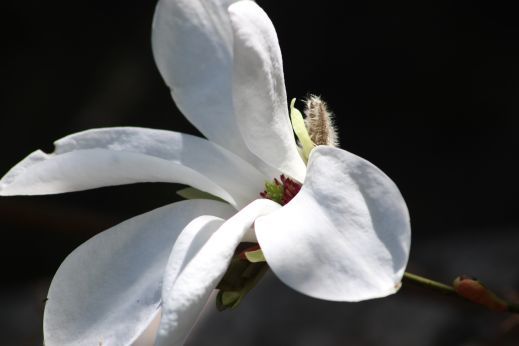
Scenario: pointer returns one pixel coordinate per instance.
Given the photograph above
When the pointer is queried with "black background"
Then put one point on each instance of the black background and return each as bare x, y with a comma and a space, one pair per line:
428, 91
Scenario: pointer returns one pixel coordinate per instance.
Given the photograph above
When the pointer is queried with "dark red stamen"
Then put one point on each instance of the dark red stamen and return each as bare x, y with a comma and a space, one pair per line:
291, 188
288, 190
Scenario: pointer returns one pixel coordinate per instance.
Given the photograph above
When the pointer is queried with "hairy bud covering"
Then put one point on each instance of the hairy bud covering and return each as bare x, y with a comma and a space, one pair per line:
319, 122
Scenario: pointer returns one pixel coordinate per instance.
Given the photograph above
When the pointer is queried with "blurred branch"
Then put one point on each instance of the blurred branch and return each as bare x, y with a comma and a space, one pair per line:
53, 217
467, 288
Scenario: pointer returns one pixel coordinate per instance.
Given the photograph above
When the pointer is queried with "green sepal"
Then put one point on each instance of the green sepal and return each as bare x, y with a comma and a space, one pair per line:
192, 193
298, 124
228, 300
240, 278
232, 279
255, 256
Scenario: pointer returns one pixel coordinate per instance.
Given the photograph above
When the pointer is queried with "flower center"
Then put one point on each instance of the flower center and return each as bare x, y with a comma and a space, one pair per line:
281, 192
248, 264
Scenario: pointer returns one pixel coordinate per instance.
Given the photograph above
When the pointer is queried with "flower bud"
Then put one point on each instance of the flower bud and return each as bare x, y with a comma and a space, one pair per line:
319, 122
474, 291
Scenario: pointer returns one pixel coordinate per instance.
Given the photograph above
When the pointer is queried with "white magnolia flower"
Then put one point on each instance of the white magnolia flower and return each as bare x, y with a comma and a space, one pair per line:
344, 237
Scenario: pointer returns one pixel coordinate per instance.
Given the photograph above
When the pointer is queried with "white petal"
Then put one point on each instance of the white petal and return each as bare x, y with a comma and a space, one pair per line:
109, 289
188, 245
192, 45
345, 236
259, 90
115, 156
196, 266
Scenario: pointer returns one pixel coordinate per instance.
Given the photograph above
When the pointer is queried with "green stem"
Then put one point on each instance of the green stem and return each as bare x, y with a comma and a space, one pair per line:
431, 284
447, 289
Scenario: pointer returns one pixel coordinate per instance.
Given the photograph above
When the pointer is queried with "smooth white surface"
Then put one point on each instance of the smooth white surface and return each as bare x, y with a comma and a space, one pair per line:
345, 236
192, 46
187, 246
197, 265
193, 49
259, 94
108, 290
123, 155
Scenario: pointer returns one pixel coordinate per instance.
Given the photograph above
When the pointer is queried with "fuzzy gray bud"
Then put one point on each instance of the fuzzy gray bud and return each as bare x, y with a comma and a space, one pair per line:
319, 122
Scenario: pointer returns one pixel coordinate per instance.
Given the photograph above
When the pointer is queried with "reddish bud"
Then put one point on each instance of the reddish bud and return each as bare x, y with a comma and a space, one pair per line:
474, 291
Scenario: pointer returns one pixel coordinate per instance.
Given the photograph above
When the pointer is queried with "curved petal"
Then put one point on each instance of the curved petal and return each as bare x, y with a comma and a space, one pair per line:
188, 245
196, 266
192, 46
259, 95
345, 236
109, 289
115, 156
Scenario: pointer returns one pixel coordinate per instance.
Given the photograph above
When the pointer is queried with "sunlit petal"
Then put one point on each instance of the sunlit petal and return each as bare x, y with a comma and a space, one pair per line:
345, 236
192, 45
115, 156
197, 264
108, 290
259, 90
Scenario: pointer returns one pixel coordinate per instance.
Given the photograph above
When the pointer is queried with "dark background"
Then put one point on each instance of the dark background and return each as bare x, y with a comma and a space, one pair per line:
428, 91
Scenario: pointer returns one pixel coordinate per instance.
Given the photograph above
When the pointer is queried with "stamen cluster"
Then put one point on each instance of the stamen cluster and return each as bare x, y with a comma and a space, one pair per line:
281, 192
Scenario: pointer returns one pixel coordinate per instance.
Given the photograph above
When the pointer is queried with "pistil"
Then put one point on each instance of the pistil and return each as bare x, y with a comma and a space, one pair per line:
281, 192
